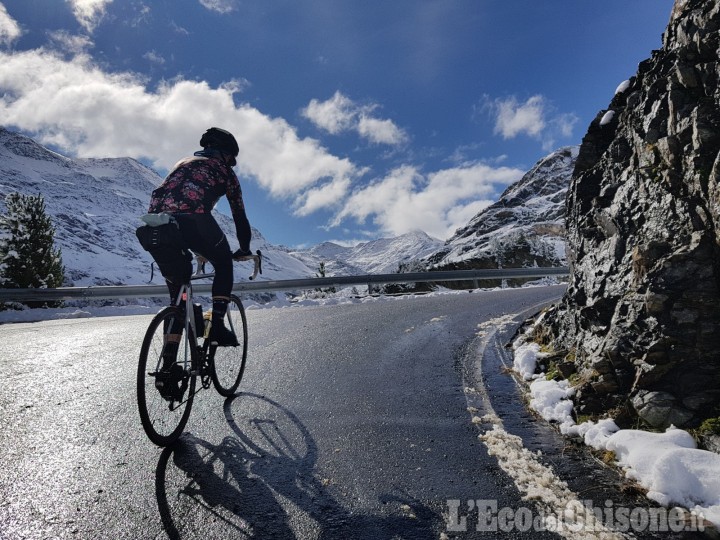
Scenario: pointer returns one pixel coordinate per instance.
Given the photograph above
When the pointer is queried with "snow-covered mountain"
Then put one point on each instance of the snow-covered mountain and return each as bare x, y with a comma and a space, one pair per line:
382, 256
96, 204
526, 227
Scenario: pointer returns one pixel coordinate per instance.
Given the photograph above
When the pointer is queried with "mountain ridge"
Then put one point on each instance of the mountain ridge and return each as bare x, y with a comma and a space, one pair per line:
525, 227
96, 203
381, 256
96, 206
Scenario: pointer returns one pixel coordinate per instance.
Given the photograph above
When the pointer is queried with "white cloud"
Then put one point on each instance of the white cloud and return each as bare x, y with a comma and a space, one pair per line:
235, 86
462, 214
179, 29
9, 28
221, 6
142, 16
324, 196
75, 105
340, 114
436, 203
335, 115
70, 43
565, 124
89, 13
514, 118
154, 57
380, 131
536, 118
559, 127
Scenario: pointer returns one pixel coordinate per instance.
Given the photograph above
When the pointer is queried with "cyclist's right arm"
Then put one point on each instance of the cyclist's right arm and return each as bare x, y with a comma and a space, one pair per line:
239, 256
255, 258
237, 208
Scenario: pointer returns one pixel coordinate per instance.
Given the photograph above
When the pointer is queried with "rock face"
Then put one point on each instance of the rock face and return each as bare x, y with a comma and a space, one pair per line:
641, 316
525, 228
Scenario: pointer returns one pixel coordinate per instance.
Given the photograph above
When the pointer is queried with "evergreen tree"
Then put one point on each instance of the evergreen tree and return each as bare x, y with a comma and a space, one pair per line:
28, 257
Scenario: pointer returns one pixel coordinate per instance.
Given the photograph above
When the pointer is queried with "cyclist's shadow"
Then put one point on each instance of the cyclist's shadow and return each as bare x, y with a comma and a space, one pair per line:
229, 496
238, 481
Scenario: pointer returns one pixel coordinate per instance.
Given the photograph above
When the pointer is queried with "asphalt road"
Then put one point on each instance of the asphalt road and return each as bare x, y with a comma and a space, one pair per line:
351, 422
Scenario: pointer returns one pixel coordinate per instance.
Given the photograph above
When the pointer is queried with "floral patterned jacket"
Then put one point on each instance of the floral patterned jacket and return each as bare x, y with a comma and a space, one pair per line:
195, 185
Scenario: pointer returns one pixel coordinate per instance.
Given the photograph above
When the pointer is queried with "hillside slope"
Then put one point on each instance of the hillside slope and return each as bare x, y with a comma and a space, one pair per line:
525, 228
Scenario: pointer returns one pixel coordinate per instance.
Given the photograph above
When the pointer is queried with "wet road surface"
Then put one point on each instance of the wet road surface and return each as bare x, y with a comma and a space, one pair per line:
351, 422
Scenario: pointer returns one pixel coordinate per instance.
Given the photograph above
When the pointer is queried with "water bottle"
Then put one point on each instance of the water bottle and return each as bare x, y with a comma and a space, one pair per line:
207, 317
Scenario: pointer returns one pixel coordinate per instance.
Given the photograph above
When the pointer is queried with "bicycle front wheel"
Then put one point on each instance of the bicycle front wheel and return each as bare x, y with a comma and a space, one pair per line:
228, 363
165, 407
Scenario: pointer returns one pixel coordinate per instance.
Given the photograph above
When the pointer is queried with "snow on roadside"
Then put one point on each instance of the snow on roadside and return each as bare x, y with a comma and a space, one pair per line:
525, 362
49, 314
282, 301
560, 509
552, 400
669, 465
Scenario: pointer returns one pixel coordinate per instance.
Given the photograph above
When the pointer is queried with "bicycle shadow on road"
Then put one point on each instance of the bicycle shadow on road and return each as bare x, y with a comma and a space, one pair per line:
218, 494
240, 488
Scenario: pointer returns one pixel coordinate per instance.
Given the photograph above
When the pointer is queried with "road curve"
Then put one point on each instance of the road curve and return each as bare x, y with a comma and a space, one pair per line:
351, 422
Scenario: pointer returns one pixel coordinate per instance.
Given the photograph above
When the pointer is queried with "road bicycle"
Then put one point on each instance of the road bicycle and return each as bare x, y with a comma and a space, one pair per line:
166, 383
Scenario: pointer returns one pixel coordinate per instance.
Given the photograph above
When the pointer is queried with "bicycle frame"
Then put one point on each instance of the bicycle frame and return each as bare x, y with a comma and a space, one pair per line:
185, 296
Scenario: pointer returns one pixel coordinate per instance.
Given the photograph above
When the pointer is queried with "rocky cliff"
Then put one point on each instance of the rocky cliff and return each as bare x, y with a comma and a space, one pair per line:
641, 317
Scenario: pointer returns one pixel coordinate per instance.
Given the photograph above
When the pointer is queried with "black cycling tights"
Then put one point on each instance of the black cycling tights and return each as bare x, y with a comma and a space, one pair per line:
204, 236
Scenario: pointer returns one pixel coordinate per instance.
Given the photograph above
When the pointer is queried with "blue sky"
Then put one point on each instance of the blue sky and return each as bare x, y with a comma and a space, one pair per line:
356, 120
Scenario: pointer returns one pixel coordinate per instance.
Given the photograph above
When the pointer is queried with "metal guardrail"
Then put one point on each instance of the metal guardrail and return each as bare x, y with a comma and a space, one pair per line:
145, 291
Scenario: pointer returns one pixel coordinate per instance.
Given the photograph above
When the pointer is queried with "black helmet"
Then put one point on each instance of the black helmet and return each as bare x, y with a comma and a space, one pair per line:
220, 139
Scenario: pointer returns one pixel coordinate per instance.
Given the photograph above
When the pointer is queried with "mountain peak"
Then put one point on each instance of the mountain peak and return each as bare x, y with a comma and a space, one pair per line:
525, 227
96, 204
380, 256
14, 145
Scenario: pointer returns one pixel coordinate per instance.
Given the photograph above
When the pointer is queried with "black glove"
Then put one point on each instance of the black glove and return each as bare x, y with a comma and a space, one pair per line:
242, 253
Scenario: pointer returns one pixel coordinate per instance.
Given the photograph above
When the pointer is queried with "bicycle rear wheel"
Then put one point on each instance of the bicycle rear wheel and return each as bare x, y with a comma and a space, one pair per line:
228, 363
164, 418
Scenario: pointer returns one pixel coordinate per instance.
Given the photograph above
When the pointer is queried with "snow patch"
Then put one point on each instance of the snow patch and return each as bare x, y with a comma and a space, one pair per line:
525, 361
561, 510
622, 87
607, 118
669, 465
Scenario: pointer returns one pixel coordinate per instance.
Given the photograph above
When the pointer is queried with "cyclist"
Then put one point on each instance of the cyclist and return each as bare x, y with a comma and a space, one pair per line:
189, 193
